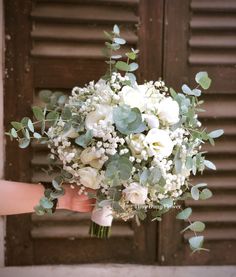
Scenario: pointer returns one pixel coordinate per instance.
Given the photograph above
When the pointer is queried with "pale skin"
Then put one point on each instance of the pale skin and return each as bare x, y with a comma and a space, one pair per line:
19, 197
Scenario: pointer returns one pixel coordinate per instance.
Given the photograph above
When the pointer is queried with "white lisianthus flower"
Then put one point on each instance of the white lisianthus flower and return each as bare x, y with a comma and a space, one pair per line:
91, 157
159, 143
102, 216
136, 144
152, 120
134, 97
102, 114
168, 111
89, 177
135, 193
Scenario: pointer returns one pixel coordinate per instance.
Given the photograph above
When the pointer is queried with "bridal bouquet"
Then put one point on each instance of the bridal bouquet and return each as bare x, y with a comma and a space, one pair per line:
135, 145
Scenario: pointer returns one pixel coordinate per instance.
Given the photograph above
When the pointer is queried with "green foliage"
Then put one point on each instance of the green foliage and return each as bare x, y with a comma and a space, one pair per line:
196, 242
128, 120
203, 80
85, 139
38, 113
118, 168
196, 226
216, 133
185, 214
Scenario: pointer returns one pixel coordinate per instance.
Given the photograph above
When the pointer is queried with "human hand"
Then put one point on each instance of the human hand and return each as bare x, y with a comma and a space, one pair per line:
75, 202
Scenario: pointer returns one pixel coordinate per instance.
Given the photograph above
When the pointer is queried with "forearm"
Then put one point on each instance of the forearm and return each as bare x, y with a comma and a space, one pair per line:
17, 197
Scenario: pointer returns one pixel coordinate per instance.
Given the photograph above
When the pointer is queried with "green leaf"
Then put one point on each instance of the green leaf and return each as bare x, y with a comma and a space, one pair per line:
133, 67
24, 142
30, 125
185, 214
131, 55
173, 93
24, 121
56, 182
57, 194
27, 134
52, 117
203, 80
46, 203
115, 57
14, 133
17, 125
85, 139
45, 95
120, 65
116, 30
196, 226
38, 113
196, 242
205, 194
37, 135
188, 91
209, 164
66, 113
39, 210
167, 203
216, 133
119, 41
195, 193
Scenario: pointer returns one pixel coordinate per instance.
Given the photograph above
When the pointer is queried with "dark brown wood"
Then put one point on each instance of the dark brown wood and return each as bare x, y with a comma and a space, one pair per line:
44, 239
17, 100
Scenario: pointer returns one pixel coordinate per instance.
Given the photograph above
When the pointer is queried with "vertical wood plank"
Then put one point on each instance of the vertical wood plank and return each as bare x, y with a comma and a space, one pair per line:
17, 101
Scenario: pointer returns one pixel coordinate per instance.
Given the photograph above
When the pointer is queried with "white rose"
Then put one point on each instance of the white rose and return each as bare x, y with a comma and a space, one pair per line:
136, 144
89, 177
91, 157
152, 120
136, 194
159, 143
168, 111
134, 97
102, 216
102, 114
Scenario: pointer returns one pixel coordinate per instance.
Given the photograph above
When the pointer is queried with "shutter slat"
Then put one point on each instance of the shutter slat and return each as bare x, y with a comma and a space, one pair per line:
213, 6
83, 13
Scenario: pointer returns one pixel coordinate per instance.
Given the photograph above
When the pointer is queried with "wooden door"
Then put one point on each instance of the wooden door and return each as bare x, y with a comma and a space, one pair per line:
57, 45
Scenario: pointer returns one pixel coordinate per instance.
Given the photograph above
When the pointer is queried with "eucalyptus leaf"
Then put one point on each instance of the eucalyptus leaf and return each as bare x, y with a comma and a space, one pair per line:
196, 242
195, 193
24, 142
85, 139
46, 203
39, 210
185, 214
119, 41
37, 135
17, 125
14, 133
38, 113
45, 95
30, 125
116, 29
216, 133
209, 164
205, 194
133, 66
167, 203
120, 65
203, 80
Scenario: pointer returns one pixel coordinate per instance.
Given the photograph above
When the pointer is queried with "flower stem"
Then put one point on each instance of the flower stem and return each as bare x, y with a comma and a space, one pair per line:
98, 231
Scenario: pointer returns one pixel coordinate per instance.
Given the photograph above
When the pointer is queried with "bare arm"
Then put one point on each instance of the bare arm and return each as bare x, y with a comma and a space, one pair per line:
17, 198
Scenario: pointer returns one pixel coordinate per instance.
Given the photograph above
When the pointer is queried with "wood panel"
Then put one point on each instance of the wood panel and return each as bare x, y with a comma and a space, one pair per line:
63, 44
204, 40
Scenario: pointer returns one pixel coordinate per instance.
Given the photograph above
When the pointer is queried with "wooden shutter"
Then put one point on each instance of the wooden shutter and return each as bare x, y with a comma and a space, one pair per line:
200, 36
57, 45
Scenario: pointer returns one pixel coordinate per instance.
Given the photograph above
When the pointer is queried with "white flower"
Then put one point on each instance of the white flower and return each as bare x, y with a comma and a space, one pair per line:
152, 120
136, 144
89, 177
134, 97
102, 216
104, 92
92, 157
168, 111
102, 115
135, 193
159, 143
